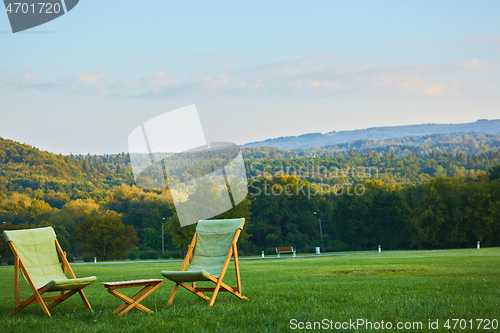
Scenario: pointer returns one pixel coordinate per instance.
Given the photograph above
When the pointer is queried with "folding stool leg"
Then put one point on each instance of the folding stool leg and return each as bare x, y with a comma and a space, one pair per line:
142, 291
129, 301
134, 301
146, 294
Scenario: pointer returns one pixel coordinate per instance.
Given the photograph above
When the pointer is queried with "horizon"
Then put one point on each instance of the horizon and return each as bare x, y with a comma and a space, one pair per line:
368, 128
298, 135
82, 82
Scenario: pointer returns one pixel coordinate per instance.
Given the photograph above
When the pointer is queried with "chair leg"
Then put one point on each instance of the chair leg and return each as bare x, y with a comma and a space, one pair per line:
85, 300
36, 293
172, 295
216, 291
194, 291
62, 298
233, 291
40, 300
22, 304
16, 282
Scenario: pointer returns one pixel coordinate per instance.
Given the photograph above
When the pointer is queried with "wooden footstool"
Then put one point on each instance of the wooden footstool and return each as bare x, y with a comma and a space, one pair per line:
137, 298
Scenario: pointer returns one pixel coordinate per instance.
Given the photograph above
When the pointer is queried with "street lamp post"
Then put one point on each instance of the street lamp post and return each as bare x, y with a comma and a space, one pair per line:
1, 261
320, 231
162, 239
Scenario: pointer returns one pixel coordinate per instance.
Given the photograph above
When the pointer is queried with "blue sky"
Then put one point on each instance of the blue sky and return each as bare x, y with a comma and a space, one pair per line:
255, 69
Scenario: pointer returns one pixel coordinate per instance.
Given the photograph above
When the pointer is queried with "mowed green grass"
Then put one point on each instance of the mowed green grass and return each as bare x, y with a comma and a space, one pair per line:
399, 287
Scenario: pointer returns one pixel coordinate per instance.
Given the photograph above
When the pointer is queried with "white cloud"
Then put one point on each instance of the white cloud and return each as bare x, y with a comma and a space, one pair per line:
98, 81
90, 77
311, 76
29, 78
402, 83
483, 42
477, 65
163, 79
488, 39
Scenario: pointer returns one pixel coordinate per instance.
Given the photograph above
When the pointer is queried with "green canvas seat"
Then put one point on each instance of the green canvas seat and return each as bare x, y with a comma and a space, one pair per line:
69, 284
213, 245
188, 276
36, 254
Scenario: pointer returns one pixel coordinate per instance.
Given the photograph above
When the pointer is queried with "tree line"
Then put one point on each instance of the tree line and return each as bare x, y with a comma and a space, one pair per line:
442, 213
436, 200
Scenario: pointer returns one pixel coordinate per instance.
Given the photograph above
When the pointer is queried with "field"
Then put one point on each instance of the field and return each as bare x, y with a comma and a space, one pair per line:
286, 293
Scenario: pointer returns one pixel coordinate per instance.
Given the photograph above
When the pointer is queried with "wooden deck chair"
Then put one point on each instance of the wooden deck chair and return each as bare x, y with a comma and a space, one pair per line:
35, 252
213, 245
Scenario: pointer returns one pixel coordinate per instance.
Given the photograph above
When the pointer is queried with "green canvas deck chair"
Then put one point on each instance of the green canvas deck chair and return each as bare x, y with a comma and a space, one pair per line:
213, 245
35, 252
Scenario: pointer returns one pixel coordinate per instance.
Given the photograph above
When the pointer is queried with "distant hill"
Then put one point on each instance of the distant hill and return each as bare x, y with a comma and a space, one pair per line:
25, 167
472, 143
449, 143
376, 133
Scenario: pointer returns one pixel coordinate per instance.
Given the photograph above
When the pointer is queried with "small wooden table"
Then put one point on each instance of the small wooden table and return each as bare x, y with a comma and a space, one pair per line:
137, 298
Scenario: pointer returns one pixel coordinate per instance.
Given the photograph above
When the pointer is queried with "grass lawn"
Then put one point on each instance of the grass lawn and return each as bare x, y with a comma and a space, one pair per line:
399, 287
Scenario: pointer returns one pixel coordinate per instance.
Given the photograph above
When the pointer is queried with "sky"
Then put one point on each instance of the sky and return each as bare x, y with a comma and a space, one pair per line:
255, 70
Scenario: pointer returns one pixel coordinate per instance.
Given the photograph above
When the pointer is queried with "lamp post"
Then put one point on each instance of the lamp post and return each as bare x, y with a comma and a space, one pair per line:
1, 261
320, 230
162, 239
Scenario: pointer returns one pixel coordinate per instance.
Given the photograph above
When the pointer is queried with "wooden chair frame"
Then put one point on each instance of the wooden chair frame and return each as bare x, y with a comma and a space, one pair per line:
219, 285
37, 293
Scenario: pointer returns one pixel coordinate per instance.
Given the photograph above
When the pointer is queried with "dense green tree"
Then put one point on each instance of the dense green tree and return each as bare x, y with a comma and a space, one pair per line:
440, 218
404, 205
494, 172
152, 239
106, 236
5, 251
181, 236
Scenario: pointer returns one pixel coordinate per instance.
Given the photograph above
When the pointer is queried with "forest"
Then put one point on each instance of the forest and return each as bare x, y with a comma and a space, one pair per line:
422, 192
